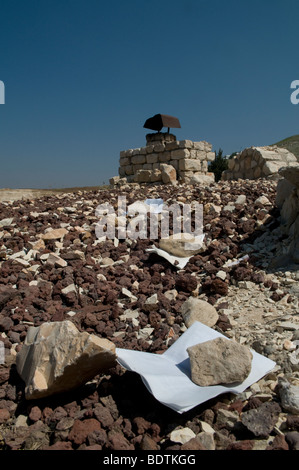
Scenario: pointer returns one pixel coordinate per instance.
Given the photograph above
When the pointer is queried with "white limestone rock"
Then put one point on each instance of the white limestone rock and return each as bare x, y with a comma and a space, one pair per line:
56, 358
195, 309
219, 361
168, 173
182, 245
181, 435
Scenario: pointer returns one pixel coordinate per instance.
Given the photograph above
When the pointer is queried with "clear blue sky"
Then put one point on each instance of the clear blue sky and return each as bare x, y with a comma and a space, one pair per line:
82, 76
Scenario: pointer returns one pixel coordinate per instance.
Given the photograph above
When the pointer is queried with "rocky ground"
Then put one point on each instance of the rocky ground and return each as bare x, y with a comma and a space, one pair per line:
103, 286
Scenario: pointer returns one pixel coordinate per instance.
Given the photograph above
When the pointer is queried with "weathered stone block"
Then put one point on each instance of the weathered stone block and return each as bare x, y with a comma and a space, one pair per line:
179, 153
174, 163
201, 155
204, 166
211, 156
142, 150
208, 147
121, 171
188, 144
143, 176
189, 165
271, 167
164, 157
129, 170
123, 161
172, 145
138, 159
152, 158
149, 148
147, 166
56, 357
168, 173
159, 148
137, 167
155, 176
199, 145
185, 174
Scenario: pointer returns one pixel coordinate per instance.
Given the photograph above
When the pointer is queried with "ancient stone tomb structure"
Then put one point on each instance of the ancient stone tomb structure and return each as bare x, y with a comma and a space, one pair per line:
167, 160
258, 162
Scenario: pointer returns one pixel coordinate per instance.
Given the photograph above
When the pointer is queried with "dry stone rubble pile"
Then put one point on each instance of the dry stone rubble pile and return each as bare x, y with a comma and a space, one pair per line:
258, 162
54, 269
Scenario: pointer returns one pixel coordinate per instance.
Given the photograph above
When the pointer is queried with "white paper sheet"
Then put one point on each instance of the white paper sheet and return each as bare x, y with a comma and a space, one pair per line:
176, 261
167, 375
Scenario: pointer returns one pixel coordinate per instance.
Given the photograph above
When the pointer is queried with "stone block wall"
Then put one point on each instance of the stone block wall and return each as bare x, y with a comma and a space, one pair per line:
165, 159
258, 162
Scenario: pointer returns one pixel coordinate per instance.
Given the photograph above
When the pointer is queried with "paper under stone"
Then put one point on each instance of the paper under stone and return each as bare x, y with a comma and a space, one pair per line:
168, 376
176, 261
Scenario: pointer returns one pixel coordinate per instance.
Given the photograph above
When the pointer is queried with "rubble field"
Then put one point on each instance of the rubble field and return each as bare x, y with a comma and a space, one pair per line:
103, 287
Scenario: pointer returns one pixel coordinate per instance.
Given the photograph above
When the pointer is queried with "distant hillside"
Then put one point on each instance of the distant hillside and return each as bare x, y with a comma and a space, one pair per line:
290, 143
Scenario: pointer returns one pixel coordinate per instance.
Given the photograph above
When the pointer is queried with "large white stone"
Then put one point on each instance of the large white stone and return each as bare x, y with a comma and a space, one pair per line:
271, 167
194, 309
181, 245
219, 361
56, 357
168, 173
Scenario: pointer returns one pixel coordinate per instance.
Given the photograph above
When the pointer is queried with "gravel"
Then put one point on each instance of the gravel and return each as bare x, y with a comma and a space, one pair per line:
103, 287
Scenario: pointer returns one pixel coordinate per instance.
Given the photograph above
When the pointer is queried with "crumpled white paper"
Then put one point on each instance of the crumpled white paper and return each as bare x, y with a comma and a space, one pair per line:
168, 376
176, 261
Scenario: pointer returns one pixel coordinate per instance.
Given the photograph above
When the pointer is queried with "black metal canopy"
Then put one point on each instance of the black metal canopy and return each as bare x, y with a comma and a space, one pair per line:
158, 121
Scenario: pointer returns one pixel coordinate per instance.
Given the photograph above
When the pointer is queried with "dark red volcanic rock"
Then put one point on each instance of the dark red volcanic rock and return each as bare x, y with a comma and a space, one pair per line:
97, 286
